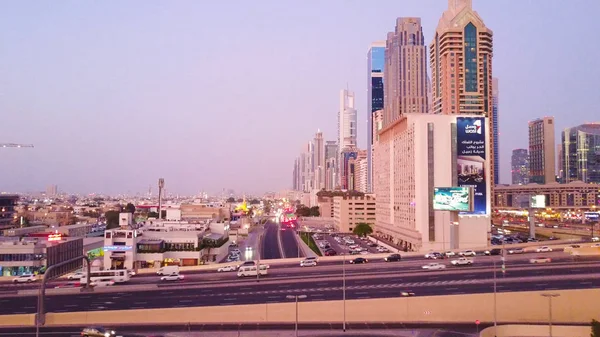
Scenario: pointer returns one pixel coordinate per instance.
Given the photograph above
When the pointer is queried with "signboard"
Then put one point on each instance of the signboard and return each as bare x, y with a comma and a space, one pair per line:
594, 216
537, 201
55, 237
471, 159
117, 248
453, 199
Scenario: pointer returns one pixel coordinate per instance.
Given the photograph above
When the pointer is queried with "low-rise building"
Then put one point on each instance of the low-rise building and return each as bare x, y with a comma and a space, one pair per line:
199, 212
572, 196
350, 211
8, 203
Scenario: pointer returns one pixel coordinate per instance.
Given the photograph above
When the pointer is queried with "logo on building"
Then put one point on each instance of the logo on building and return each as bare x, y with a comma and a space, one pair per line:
474, 128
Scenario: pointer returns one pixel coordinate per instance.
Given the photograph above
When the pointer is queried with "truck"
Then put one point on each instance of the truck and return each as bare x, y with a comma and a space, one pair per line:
463, 261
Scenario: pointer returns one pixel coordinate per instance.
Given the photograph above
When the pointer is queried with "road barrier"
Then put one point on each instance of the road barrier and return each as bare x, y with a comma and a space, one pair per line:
572, 306
521, 330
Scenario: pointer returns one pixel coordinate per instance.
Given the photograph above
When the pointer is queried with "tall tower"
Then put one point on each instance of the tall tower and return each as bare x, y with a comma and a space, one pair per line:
346, 121
161, 185
375, 83
461, 66
405, 70
519, 167
495, 96
541, 151
331, 164
319, 154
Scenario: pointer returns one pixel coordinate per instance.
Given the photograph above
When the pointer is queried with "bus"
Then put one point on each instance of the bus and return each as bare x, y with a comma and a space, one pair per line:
244, 271
118, 276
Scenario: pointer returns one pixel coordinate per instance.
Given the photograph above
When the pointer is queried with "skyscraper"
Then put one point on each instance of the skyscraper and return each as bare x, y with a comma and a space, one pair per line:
541, 151
519, 167
581, 153
346, 121
405, 70
295, 176
319, 159
375, 83
461, 66
331, 165
309, 182
496, 145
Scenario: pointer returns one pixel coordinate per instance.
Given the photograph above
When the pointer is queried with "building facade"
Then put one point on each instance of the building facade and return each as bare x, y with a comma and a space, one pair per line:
405, 70
347, 160
519, 164
580, 155
375, 96
319, 161
541, 151
347, 123
357, 168
331, 165
573, 196
7, 210
415, 154
495, 131
460, 57
350, 211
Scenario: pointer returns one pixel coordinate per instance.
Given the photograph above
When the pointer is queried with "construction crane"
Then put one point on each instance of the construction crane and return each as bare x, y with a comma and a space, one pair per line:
15, 145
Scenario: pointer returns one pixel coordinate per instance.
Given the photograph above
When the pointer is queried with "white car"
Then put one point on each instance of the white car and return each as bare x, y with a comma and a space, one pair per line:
467, 253
540, 260
449, 254
25, 278
226, 268
434, 266
543, 249
172, 277
308, 263
76, 276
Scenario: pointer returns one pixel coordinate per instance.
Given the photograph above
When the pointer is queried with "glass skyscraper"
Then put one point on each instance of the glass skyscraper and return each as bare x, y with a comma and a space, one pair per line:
375, 62
496, 144
581, 154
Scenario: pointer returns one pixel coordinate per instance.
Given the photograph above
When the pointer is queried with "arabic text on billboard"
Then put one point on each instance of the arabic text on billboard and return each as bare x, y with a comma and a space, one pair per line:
538, 201
471, 159
451, 199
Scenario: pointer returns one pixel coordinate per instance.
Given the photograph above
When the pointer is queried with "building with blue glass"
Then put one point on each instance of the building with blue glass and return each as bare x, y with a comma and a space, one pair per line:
496, 144
375, 63
581, 154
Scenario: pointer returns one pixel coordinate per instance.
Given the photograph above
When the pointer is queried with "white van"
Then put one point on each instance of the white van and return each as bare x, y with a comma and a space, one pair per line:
168, 270
251, 271
103, 282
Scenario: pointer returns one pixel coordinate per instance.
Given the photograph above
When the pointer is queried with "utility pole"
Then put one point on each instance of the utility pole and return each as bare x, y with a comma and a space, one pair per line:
550, 296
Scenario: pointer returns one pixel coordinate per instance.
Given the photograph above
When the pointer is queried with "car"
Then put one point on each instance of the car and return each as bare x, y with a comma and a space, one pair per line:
434, 266
540, 260
406, 293
247, 264
76, 276
97, 332
25, 278
226, 268
516, 251
330, 252
462, 261
449, 254
543, 249
434, 255
359, 260
495, 251
364, 252
172, 277
595, 239
467, 253
308, 263
393, 258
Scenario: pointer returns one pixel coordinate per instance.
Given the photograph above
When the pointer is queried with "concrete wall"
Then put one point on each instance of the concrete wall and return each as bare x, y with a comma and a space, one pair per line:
573, 306
536, 331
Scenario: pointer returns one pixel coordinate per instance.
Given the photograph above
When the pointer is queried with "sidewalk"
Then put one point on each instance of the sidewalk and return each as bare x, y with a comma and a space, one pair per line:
308, 333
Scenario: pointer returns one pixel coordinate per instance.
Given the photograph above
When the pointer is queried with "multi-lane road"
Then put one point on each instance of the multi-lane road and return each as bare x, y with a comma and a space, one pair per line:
324, 282
278, 244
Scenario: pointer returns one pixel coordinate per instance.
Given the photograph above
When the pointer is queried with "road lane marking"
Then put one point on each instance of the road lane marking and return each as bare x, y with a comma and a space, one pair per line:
140, 303
186, 301
363, 297
274, 297
230, 299
450, 289
361, 292
541, 284
586, 282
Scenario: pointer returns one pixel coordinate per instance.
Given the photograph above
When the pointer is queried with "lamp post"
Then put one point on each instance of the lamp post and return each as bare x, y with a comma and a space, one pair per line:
495, 303
344, 290
550, 296
296, 297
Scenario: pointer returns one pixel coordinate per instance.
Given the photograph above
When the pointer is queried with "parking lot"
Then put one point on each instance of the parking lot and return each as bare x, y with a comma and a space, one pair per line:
348, 244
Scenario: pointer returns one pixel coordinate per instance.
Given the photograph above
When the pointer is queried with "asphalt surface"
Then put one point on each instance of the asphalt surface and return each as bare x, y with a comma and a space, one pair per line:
290, 243
363, 284
270, 242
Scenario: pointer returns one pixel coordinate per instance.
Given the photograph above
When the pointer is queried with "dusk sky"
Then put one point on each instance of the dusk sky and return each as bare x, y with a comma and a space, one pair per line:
225, 94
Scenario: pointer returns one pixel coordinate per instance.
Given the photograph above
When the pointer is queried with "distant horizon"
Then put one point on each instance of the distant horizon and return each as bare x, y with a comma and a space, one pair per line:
212, 96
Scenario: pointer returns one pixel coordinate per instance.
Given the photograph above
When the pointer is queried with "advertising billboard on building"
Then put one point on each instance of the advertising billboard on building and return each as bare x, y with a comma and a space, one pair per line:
459, 199
471, 159
537, 201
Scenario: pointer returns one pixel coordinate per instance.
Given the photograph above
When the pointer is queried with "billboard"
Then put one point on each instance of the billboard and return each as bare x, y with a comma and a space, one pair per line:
458, 199
471, 159
537, 201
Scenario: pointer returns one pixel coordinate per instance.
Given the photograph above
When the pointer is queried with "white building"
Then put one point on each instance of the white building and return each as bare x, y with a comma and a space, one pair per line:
414, 154
346, 121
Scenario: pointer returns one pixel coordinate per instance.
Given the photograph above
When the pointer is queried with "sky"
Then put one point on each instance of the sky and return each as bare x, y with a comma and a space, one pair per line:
225, 94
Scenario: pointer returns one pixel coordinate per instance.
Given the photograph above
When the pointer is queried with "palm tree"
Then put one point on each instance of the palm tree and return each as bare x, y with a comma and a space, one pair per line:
363, 229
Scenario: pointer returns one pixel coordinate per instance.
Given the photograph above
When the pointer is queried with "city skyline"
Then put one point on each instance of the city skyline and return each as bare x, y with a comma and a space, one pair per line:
102, 135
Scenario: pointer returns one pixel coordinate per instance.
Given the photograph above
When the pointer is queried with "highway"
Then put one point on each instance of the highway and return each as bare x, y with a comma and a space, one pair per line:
270, 244
289, 243
323, 283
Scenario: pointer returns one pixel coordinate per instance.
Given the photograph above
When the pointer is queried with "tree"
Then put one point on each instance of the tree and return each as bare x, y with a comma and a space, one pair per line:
363, 229
153, 215
130, 208
240, 200
230, 199
254, 202
302, 210
112, 219
595, 328
314, 211
208, 243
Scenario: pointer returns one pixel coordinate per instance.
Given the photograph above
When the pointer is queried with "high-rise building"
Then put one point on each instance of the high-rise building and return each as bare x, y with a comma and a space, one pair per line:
541, 151
51, 191
359, 166
302, 172
581, 153
519, 164
377, 126
309, 173
495, 95
405, 70
461, 66
331, 165
346, 121
346, 166
319, 160
375, 94
295, 176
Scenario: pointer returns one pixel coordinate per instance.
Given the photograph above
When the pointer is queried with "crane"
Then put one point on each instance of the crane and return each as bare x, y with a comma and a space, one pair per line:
15, 145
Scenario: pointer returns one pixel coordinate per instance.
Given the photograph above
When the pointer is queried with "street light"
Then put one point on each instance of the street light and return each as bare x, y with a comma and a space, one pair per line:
550, 296
344, 290
296, 297
495, 303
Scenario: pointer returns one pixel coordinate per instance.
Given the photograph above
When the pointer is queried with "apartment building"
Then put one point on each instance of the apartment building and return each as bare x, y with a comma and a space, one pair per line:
350, 211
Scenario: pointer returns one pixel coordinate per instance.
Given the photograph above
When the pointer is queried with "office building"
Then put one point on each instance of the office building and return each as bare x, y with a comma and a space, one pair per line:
580, 157
495, 126
377, 126
347, 159
460, 57
375, 94
309, 167
417, 153
541, 151
349, 211
319, 161
405, 70
357, 168
519, 167
575, 196
302, 171
331, 165
295, 173
346, 121
7, 210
